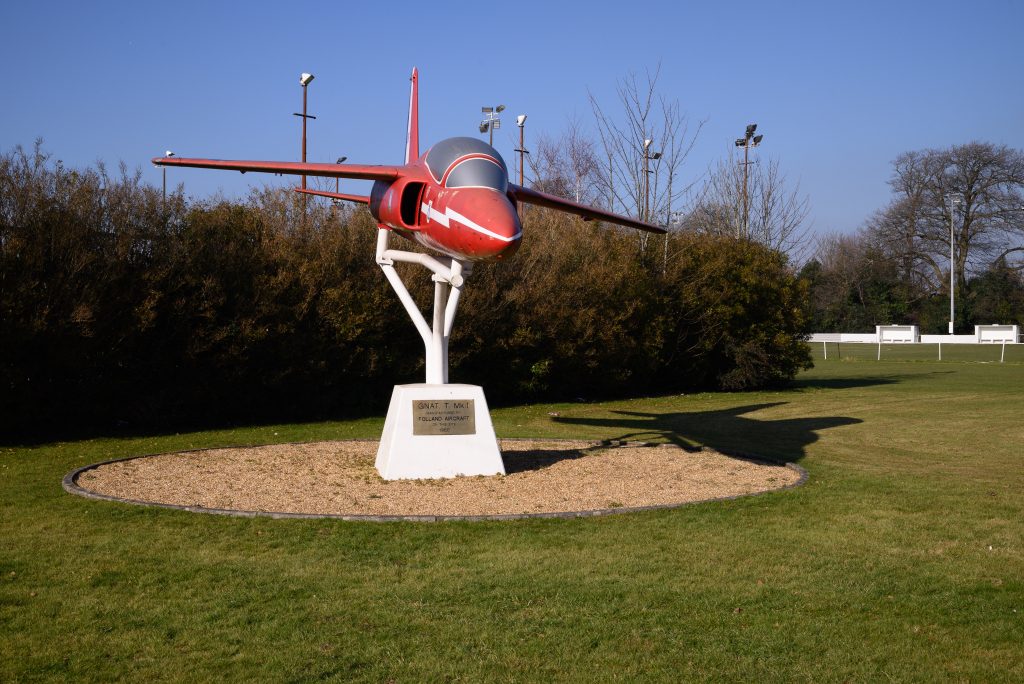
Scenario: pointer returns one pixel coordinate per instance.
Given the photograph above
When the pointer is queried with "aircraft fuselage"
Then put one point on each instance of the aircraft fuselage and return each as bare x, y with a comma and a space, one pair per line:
454, 199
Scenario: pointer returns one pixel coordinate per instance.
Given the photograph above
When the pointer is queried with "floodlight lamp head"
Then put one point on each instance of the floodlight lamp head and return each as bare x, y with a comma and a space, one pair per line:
758, 139
656, 155
520, 120
750, 129
305, 79
500, 109
483, 126
496, 124
647, 143
341, 160
168, 153
487, 110
740, 142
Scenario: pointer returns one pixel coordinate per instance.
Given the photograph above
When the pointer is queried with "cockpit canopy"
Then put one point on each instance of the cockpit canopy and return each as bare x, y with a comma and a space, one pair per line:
467, 162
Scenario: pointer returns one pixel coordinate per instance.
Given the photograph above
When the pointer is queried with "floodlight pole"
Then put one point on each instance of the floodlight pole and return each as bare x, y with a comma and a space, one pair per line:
492, 121
952, 272
746, 142
746, 206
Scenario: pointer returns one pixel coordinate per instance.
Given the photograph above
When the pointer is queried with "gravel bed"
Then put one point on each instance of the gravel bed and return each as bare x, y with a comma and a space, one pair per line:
339, 478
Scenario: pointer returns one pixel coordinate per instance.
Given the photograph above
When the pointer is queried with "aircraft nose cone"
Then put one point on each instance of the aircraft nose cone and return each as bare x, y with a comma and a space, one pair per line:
494, 230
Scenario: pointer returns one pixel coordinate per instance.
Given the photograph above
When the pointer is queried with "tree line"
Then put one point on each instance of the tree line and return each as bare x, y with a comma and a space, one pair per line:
897, 268
120, 307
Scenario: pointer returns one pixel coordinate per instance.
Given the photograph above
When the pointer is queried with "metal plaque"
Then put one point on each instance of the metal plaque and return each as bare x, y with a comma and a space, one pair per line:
443, 417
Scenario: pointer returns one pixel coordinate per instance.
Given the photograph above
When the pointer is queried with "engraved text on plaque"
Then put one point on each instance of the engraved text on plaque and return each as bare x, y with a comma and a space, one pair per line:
443, 417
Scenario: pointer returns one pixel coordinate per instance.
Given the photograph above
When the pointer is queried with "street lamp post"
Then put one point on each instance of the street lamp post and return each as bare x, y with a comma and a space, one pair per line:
337, 183
648, 155
337, 188
749, 140
953, 200
304, 81
521, 122
491, 122
168, 153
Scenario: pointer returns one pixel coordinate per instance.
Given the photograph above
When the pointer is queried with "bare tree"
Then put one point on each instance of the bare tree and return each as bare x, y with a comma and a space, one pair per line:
644, 115
582, 164
778, 211
566, 166
974, 190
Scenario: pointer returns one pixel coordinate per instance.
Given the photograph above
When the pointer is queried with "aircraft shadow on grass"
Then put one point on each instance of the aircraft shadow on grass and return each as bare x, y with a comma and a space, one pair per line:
853, 382
729, 430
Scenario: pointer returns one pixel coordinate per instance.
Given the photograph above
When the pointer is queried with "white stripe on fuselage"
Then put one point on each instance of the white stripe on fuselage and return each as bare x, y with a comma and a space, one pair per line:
449, 214
433, 214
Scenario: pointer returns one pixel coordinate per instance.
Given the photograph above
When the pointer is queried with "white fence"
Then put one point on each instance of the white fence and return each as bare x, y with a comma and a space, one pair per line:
888, 334
844, 337
949, 339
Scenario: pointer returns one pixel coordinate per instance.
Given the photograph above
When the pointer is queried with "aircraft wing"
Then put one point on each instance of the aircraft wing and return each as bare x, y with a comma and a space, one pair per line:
543, 199
357, 171
335, 195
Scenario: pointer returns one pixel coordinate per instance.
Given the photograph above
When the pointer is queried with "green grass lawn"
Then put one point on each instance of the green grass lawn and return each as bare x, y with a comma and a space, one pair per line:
901, 559
979, 353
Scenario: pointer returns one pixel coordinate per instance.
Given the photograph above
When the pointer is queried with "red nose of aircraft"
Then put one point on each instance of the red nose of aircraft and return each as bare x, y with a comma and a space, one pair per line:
490, 227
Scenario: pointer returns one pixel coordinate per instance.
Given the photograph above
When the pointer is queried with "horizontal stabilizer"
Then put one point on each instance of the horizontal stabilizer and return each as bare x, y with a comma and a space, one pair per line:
356, 171
362, 199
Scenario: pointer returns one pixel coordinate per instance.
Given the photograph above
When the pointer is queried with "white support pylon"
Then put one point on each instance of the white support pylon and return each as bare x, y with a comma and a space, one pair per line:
448, 281
436, 429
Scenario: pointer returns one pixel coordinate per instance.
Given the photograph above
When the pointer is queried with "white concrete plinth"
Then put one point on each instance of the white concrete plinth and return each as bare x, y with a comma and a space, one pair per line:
435, 431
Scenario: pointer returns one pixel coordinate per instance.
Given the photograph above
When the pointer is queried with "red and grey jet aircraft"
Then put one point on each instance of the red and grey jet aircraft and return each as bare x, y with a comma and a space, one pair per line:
455, 199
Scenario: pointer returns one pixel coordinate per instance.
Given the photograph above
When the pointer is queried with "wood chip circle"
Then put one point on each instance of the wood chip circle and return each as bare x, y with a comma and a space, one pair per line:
338, 479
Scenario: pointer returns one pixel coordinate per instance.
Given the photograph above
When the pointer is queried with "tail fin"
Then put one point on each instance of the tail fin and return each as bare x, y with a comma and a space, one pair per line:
412, 145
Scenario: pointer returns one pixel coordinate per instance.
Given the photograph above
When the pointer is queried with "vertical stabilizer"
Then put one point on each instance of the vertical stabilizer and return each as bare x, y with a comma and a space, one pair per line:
412, 144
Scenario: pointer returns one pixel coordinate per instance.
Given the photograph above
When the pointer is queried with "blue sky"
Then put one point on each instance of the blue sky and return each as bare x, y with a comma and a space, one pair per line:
838, 89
